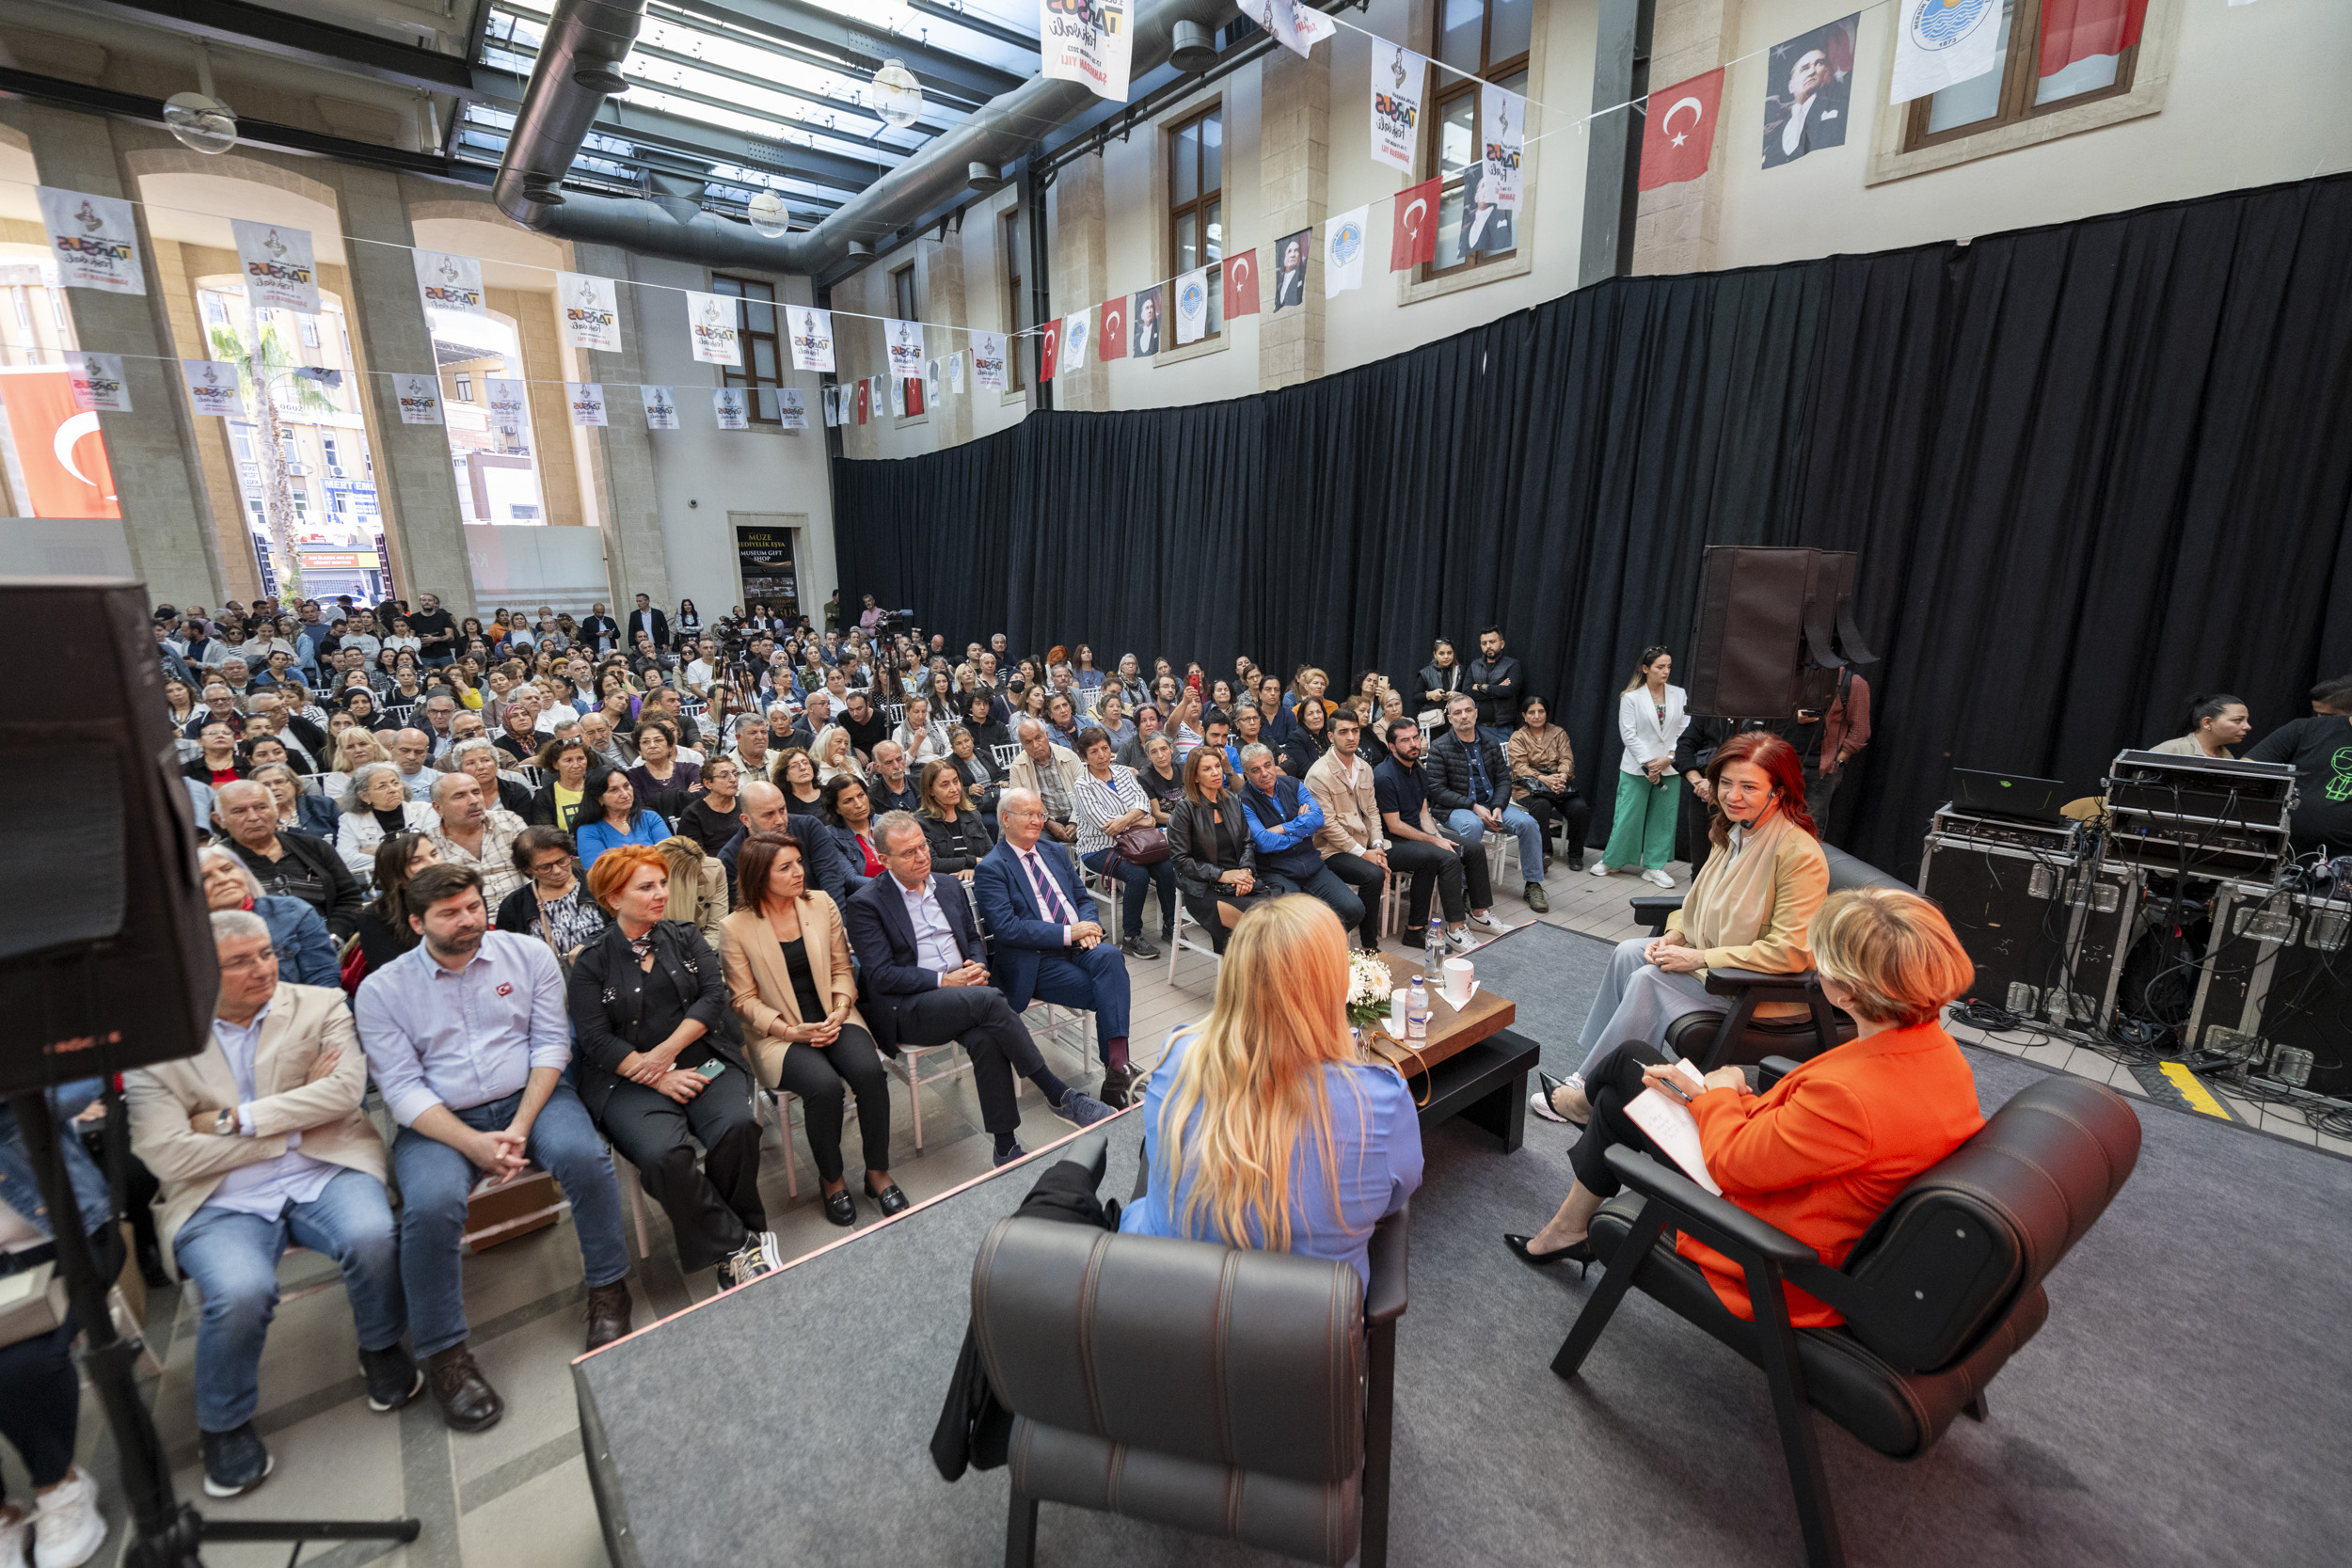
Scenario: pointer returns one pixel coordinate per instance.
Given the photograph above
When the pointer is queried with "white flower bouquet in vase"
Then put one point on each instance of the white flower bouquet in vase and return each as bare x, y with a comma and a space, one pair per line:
1370, 990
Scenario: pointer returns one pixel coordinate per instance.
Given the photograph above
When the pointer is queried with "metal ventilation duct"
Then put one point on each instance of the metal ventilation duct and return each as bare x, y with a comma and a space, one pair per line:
580, 63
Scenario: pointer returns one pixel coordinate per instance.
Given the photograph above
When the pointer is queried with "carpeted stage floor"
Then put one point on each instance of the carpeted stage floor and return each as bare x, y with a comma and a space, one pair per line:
2189, 1402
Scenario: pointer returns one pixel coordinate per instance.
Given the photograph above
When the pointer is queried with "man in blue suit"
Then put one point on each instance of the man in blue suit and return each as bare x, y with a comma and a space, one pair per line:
1049, 942
922, 982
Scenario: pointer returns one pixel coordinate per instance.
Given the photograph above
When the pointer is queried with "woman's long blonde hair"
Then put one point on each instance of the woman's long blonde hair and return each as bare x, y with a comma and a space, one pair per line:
1254, 1075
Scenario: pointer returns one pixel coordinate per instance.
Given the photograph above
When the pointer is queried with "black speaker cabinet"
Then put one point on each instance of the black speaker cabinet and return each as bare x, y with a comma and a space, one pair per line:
2276, 987
2042, 922
105, 948
1772, 628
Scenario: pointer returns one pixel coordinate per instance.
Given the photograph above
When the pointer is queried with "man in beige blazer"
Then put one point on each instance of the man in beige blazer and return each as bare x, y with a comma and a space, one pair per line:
1051, 773
259, 1141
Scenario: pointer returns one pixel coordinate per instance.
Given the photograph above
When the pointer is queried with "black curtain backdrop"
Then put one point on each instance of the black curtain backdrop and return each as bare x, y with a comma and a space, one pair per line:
2091, 468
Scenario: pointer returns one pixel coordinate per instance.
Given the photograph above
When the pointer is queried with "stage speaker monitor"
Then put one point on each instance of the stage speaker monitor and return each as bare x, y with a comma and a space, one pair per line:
105, 948
1773, 629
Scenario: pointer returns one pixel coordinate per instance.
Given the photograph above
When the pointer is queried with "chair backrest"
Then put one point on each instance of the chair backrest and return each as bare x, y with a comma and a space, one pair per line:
1220, 1355
1005, 757
1845, 871
1974, 1233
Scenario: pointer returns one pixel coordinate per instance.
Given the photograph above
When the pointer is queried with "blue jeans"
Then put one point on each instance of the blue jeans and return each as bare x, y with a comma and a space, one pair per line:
234, 1259
1324, 884
1134, 880
1471, 830
434, 1181
1499, 734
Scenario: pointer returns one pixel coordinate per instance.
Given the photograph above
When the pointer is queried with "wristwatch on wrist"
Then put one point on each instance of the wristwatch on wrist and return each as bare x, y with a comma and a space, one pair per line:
225, 1123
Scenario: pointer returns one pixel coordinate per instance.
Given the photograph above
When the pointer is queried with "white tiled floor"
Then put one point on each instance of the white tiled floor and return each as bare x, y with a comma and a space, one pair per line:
517, 1496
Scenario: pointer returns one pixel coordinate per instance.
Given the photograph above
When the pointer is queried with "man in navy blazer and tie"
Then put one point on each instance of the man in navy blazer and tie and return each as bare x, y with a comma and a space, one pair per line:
923, 982
1049, 942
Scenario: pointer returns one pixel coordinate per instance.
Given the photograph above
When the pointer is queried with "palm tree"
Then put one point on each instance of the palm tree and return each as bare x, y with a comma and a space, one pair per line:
264, 373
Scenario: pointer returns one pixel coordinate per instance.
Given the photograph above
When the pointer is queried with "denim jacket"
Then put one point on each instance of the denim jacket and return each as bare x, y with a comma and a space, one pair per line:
20, 1189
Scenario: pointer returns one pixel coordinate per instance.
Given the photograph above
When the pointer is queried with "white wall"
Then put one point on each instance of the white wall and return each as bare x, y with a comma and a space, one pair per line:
702, 473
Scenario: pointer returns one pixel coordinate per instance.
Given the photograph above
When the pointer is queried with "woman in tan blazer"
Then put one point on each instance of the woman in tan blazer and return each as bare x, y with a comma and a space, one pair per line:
787, 964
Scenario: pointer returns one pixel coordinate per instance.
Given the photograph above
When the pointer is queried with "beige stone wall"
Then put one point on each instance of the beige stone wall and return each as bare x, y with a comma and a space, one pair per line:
177, 269
1294, 192
1678, 227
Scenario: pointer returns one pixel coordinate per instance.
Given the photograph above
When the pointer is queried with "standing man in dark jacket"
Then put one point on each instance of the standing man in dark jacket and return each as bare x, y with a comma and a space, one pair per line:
599, 631
1469, 781
646, 618
1495, 679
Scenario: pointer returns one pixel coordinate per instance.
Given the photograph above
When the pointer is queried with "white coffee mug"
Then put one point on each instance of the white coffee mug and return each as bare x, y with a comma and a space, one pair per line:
1458, 976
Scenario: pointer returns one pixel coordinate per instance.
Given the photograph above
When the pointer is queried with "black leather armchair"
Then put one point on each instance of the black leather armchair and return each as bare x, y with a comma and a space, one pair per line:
1231, 1393
1937, 1295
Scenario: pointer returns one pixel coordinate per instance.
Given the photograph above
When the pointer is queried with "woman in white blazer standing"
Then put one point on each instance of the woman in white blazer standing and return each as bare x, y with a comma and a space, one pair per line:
1650, 718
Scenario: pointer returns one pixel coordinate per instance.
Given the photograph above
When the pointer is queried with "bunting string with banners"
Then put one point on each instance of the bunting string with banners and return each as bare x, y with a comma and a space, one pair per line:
712, 322
1343, 252
98, 384
1144, 315
587, 399
1679, 139
1241, 284
906, 348
213, 388
509, 403
728, 404
1413, 226
1075, 329
955, 372
446, 282
794, 410
1118, 323
95, 239
420, 399
1086, 40
660, 407
1398, 76
1192, 305
865, 398
988, 362
279, 271
1502, 131
592, 313
1049, 349
812, 338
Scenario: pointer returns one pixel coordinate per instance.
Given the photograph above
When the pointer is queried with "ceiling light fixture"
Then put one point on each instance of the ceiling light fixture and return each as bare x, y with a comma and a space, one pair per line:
897, 96
770, 215
200, 119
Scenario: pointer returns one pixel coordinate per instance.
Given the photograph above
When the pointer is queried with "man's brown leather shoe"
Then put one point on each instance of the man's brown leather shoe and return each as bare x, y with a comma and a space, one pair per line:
608, 1312
467, 1401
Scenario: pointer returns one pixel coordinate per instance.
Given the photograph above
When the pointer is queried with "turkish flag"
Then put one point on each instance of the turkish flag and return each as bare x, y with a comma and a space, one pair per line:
1111, 343
1413, 228
1050, 350
63, 455
864, 395
1241, 284
1678, 134
2081, 29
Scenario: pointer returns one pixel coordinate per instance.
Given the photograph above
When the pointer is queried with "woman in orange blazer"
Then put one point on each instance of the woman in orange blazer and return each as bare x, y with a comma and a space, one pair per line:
1824, 1153
788, 975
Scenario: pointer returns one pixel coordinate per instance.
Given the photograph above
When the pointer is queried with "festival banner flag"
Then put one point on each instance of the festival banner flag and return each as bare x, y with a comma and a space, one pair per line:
988, 362
1118, 320
420, 399
213, 388
1343, 252
1679, 133
1075, 329
812, 339
508, 399
1937, 44
955, 372
1049, 350
587, 402
1086, 40
592, 311
660, 407
1299, 29
729, 405
1241, 285
1192, 305
279, 273
795, 408
1502, 130
1413, 226
712, 322
446, 282
1398, 76
906, 348
98, 384
96, 239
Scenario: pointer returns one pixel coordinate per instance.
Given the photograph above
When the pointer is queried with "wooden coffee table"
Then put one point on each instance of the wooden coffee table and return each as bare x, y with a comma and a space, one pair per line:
1472, 1064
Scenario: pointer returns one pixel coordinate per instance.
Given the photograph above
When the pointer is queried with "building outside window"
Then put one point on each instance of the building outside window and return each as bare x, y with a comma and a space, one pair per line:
1196, 209
762, 370
2034, 78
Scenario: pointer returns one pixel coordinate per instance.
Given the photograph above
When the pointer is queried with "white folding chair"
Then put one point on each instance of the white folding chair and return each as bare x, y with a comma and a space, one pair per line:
895, 713
1204, 945
1005, 757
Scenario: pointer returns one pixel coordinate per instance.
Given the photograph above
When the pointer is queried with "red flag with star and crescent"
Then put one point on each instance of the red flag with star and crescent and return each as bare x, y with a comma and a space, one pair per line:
862, 403
1678, 134
1413, 228
1241, 284
1111, 343
1049, 350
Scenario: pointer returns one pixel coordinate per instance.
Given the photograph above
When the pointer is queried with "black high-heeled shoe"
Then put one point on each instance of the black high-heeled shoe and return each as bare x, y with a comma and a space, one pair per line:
890, 1200
1575, 1252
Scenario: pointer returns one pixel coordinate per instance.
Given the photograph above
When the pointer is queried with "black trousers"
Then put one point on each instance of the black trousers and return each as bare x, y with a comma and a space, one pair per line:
1429, 865
992, 1034
1367, 879
713, 1209
1477, 880
1614, 1080
816, 1074
1564, 806
1205, 914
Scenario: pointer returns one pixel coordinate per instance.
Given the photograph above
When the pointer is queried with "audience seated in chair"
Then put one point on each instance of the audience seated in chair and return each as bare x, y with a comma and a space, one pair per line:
1111, 800
1351, 842
1283, 822
306, 954
1212, 848
290, 865
1469, 781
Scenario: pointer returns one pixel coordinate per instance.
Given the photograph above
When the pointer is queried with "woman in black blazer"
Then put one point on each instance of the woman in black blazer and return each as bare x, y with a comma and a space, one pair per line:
1208, 839
661, 1067
957, 833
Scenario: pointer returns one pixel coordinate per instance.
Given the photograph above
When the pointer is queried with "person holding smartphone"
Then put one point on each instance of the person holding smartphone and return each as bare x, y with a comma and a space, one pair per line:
662, 1068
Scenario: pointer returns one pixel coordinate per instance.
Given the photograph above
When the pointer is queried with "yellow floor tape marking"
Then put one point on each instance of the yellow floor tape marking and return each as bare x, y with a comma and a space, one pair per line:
2193, 1090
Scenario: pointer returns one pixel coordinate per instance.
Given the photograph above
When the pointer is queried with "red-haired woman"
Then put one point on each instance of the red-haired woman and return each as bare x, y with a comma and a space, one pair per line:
660, 1070
1750, 907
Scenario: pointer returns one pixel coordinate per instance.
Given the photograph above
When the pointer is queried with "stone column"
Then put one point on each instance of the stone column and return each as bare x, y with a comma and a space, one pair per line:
1675, 228
944, 301
634, 559
415, 483
167, 518
1081, 275
1294, 193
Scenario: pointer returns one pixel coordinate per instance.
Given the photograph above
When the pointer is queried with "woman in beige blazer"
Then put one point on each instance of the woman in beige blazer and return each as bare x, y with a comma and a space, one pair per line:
787, 964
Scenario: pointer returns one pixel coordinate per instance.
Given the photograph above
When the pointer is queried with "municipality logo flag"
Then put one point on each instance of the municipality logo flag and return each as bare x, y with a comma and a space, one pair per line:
1343, 252
1192, 305
1940, 42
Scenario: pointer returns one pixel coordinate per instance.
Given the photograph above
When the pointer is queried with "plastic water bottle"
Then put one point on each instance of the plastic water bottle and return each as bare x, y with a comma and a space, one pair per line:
1433, 951
1417, 1014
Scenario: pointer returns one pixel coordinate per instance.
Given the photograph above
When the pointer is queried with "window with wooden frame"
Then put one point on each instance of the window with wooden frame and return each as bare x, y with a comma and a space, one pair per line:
761, 372
1008, 231
2043, 67
904, 305
1487, 39
1196, 212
